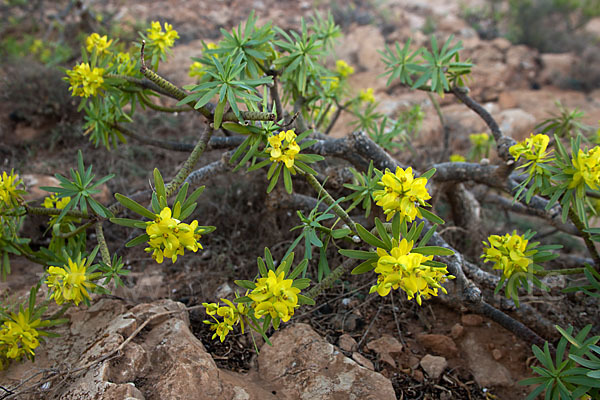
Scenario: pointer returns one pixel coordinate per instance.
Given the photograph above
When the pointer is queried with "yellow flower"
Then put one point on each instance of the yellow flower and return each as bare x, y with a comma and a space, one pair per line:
196, 69
405, 270
586, 169
457, 158
10, 196
231, 314
343, 69
70, 283
275, 296
19, 336
479, 139
330, 82
169, 237
85, 82
533, 149
508, 253
101, 43
162, 40
367, 96
401, 193
283, 148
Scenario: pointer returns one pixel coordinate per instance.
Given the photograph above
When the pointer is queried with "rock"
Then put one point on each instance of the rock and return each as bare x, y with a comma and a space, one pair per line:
438, 344
385, 346
456, 331
593, 27
347, 343
506, 100
33, 182
556, 68
497, 354
418, 375
434, 366
305, 366
516, 123
362, 360
223, 291
487, 371
471, 320
501, 43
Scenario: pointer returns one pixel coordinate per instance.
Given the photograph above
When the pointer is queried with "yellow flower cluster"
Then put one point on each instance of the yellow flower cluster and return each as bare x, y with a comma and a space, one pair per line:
162, 39
587, 168
19, 336
53, 202
330, 82
457, 158
533, 149
366, 96
230, 313
169, 237
275, 296
405, 270
10, 196
70, 283
85, 81
343, 69
479, 139
283, 148
101, 43
197, 69
508, 253
400, 194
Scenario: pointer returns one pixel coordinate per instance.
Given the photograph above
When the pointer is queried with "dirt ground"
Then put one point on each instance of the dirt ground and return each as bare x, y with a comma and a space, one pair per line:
40, 131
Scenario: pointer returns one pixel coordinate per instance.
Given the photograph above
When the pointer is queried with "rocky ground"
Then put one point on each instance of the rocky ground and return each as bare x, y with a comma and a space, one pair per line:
141, 344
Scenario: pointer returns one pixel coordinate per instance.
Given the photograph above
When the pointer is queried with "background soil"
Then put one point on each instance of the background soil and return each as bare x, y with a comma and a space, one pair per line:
40, 130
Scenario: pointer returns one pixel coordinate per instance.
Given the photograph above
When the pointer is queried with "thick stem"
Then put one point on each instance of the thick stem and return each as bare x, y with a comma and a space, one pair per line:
189, 164
102, 242
55, 211
329, 280
330, 201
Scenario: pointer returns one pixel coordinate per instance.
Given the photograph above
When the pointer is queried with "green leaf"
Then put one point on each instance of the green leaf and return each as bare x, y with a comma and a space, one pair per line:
433, 250
245, 284
219, 113
359, 254
159, 184
431, 217
138, 240
134, 206
305, 300
364, 267
369, 237
132, 223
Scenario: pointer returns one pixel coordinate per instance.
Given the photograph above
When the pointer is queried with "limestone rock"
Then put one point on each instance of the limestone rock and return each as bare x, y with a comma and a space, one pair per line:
347, 343
385, 347
471, 320
362, 360
438, 344
434, 366
305, 366
456, 331
487, 371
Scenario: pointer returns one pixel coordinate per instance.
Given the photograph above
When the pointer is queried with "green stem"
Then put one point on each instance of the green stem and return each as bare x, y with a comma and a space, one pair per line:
328, 281
28, 256
102, 242
329, 200
189, 164
566, 271
180, 94
587, 238
55, 211
157, 107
